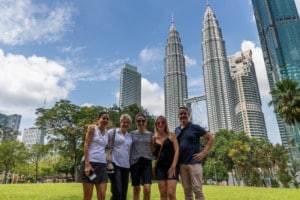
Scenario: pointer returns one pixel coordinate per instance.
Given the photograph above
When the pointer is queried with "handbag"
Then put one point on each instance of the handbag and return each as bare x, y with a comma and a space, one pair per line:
108, 153
153, 175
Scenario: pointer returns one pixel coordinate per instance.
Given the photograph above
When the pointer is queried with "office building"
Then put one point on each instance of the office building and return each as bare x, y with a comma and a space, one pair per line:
278, 27
9, 126
218, 84
130, 86
32, 135
248, 107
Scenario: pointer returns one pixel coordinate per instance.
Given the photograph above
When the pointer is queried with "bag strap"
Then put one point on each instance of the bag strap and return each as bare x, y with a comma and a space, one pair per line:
111, 140
158, 155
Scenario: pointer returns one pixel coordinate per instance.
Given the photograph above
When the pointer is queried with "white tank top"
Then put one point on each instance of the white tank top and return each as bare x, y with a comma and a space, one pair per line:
97, 146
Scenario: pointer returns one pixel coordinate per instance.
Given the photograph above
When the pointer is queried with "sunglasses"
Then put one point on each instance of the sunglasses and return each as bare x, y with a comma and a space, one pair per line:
160, 123
140, 121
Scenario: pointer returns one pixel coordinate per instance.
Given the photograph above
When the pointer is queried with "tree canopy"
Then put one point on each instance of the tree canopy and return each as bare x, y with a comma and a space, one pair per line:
286, 100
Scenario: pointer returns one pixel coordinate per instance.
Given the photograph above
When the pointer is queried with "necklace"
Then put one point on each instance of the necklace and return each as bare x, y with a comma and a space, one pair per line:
162, 135
102, 131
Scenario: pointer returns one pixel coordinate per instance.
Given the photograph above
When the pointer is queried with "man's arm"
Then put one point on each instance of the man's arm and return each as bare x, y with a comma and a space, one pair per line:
210, 141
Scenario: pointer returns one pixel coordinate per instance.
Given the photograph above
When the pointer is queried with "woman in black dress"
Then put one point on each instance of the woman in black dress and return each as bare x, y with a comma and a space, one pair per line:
166, 151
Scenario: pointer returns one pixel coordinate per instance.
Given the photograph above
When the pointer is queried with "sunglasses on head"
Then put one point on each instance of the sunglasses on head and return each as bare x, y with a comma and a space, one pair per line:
140, 121
160, 123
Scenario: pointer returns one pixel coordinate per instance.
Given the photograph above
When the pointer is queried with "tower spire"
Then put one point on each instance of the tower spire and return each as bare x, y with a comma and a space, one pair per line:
172, 22
207, 2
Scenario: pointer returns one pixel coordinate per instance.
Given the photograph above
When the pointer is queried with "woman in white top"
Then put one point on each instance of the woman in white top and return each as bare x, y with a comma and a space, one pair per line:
93, 168
120, 157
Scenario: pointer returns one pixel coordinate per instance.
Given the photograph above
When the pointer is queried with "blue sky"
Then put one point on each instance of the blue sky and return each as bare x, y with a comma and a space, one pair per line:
74, 50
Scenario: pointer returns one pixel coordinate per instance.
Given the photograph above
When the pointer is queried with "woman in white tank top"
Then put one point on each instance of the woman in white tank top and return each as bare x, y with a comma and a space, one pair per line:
93, 168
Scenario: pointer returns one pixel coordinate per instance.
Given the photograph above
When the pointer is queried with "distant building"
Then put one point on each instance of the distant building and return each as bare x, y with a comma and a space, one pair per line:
9, 126
218, 84
248, 107
32, 136
278, 27
175, 79
130, 86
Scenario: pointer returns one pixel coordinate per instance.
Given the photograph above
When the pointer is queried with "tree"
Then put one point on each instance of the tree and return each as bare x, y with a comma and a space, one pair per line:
280, 161
11, 154
286, 101
7, 133
295, 168
37, 151
63, 166
66, 125
218, 159
215, 170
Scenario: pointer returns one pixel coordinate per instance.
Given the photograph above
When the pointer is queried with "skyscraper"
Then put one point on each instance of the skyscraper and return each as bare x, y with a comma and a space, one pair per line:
248, 108
130, 86
278, 27
218, 83
175, 78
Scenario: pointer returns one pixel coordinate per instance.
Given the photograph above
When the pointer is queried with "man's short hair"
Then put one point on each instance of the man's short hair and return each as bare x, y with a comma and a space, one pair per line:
185, 108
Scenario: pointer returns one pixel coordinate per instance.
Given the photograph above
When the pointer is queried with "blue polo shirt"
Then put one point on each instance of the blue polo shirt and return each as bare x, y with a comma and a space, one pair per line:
189, 142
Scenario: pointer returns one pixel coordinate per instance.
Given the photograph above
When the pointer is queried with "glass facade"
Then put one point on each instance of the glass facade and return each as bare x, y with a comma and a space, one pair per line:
9, 125
130, 86
278, 27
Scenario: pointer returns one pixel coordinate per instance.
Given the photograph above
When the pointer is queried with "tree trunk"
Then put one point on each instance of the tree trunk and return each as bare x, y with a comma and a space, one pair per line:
296, 125
36, 170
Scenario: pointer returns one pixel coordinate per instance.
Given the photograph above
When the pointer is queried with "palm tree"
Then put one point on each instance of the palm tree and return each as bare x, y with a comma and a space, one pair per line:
286, 101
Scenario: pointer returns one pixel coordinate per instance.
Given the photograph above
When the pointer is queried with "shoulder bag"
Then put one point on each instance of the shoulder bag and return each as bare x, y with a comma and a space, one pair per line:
108, 152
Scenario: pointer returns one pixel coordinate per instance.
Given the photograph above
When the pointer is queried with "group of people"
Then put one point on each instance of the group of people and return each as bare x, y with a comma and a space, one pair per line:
176, 154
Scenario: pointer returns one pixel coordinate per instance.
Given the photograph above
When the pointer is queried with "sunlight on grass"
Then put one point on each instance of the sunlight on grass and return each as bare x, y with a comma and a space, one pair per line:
73, 191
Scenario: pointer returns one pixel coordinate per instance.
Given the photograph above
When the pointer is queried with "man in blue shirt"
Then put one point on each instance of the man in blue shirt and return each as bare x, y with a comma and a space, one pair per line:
190, 154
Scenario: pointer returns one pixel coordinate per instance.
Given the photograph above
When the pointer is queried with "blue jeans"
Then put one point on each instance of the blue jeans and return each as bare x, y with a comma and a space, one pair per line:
119, 183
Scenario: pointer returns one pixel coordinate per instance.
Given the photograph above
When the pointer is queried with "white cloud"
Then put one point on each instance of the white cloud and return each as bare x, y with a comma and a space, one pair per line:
71, 50
151, 54
27, 82
297, 2
110, 70
195, 82
22, 21
189, 61
87, 105
153, 97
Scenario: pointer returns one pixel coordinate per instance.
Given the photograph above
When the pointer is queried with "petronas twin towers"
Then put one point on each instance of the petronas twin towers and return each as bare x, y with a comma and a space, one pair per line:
217, 80
219, 90
175, 77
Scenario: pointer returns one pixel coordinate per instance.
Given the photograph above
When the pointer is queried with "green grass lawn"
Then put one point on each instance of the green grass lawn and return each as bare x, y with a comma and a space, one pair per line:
73, 191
